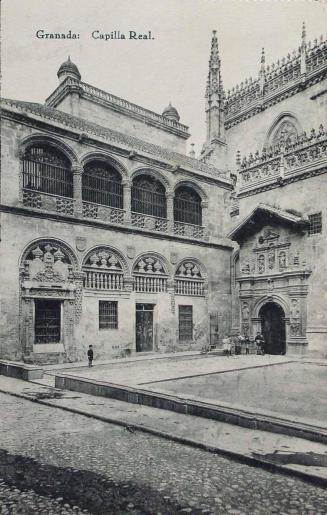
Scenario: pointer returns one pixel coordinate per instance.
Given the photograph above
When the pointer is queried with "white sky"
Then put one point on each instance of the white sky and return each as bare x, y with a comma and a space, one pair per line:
173, 67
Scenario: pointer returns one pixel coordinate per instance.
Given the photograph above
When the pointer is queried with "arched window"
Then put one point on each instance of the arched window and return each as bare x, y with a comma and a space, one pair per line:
189, 279
48, 170
150, 274
148, 196
101, 184
103, 269
187, 206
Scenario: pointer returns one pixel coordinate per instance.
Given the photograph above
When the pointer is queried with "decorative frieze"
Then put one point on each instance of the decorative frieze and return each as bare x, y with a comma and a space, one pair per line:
286, 159
276, 82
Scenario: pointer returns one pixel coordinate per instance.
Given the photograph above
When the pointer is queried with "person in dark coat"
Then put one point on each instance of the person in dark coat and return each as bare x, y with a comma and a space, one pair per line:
260, 341
90, 355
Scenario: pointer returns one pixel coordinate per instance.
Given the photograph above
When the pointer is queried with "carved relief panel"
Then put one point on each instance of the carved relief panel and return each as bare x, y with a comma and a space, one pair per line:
49, 278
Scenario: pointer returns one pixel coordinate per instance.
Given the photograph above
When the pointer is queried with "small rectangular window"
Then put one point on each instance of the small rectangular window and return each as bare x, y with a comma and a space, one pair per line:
315, 221
185, 322
108, 314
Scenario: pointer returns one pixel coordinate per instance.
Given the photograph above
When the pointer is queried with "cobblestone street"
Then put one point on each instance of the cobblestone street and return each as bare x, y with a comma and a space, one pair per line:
55, 462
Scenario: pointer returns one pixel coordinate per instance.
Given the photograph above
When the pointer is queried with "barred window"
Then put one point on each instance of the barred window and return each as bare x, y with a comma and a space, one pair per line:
47, 170
101, 184
185, 323
47, 321
108, 314
315, 221
187, 206
148, 196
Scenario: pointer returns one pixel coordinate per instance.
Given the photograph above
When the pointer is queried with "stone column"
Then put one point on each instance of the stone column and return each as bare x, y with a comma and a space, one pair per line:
170, 211
77, 184
127, 188
205, 221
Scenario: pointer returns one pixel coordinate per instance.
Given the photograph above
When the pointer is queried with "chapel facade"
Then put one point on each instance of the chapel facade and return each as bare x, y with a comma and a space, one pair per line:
113, 235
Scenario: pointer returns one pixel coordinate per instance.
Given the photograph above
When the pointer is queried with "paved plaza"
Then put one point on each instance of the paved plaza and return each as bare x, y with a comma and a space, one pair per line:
286, 389
74, 464
267, 384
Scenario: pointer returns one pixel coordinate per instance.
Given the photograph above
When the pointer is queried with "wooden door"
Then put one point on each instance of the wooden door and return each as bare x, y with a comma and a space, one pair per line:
144, 327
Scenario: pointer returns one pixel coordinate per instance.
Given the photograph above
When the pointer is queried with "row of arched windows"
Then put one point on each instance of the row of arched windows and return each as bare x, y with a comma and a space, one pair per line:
106, 268
46, 169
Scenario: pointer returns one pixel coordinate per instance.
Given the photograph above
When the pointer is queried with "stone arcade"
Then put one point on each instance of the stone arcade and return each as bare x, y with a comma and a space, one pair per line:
112, 235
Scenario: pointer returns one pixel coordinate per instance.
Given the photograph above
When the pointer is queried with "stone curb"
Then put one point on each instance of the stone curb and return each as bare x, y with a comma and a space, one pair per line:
241, 458
218, 412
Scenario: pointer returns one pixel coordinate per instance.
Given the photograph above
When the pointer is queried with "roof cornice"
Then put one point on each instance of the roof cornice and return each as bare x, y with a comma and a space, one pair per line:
129, 145
109, 101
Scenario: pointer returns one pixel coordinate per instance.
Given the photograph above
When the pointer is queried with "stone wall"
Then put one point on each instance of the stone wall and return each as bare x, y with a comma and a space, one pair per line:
307, 197
19, 231
307, 108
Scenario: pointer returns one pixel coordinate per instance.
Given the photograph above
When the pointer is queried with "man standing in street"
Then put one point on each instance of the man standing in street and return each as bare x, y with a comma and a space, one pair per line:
90, 355
259, 340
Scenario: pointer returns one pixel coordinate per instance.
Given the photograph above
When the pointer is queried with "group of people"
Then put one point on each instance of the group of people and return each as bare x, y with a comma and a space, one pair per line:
243, 341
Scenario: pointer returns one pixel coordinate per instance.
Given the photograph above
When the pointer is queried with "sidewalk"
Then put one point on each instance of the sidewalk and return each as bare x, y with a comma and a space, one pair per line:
277, 452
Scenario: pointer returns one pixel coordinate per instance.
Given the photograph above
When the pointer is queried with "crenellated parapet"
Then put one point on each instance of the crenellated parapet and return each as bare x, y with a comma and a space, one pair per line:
298, 70
298, 157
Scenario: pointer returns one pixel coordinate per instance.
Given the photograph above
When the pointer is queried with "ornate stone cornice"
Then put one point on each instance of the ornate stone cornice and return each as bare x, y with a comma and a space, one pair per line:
107, 100
64, 124
305, 67
306, 174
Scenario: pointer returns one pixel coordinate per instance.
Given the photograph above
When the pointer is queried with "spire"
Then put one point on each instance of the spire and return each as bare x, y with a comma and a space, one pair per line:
214, 149
303, 52
263, 59
304, 35
214, 83
262, 70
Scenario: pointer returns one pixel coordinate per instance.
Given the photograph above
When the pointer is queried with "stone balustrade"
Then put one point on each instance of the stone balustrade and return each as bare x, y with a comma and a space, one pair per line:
69, 206
104, 213
192, 231
190, 287
151, 223
55, 203
277, 163
150, 284
103, 280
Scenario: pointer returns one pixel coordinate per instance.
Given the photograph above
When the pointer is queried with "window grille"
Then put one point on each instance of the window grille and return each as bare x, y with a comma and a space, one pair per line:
47, 321
46, 169
315, 222
101, 184
187, 206
148, 197
185, 323
108, 314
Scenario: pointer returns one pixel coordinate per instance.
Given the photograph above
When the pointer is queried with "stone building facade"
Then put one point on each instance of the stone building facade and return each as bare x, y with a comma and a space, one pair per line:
112, 235
276, 132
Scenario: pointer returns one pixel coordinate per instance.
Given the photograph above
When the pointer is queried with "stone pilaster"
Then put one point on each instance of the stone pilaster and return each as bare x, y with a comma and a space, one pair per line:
170, 211
127, 189
171, 291
77, 184
205, 221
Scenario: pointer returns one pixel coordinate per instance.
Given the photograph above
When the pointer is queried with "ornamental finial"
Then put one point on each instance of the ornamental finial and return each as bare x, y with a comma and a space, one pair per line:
304, 34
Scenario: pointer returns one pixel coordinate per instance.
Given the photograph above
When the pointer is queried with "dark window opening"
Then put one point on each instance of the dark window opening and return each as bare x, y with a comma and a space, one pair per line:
47, 321
185, 323
315, 222
101, 184
148, 197
187, 206
47, 170
108, 314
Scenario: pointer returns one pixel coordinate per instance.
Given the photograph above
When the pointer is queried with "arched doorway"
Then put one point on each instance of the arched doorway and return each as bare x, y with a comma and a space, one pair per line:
273, 328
